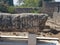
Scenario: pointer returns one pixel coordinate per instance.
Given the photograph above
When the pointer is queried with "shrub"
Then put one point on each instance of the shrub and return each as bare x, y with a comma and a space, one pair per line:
10, 9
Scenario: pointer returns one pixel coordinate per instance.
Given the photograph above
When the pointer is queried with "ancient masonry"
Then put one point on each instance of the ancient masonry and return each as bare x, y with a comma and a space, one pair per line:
50, 7
22, 22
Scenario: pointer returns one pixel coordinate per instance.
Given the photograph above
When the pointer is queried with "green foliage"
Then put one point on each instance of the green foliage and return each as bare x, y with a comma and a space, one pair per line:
10, 9
31, 3
4, 7
48, 0
36, 10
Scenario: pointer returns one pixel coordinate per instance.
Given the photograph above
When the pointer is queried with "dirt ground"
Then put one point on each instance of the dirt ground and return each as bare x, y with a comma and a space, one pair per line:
26, 34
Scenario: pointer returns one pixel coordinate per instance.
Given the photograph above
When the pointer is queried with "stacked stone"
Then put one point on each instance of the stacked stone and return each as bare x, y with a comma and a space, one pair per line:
22, 22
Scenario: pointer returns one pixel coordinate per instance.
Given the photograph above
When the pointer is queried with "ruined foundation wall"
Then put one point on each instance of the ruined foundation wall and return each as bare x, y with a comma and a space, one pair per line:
22, 22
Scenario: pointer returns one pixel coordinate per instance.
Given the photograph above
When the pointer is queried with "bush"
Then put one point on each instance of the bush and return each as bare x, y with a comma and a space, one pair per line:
10, 9
35, 10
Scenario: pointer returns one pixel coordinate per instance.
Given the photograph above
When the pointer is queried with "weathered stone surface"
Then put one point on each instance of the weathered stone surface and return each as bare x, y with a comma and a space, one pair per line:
54, 22
32, 39
22, 22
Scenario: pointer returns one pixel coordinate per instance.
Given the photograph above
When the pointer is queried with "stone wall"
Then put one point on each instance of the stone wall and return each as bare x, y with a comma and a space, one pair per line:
55, 21
24, 10
22, 22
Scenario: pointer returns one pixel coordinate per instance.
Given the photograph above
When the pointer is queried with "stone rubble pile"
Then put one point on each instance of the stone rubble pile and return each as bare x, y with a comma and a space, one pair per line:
22, 22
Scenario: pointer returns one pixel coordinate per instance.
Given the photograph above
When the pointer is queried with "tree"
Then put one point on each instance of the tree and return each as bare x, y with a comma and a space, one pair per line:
3, 6
31, 3
49, 0
40, 3
19, 2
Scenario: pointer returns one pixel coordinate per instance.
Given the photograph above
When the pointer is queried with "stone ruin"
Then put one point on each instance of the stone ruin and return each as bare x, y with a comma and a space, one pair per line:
29, 22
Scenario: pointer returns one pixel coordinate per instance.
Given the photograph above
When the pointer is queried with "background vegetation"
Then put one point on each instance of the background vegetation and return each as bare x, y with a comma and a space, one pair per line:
5, 7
